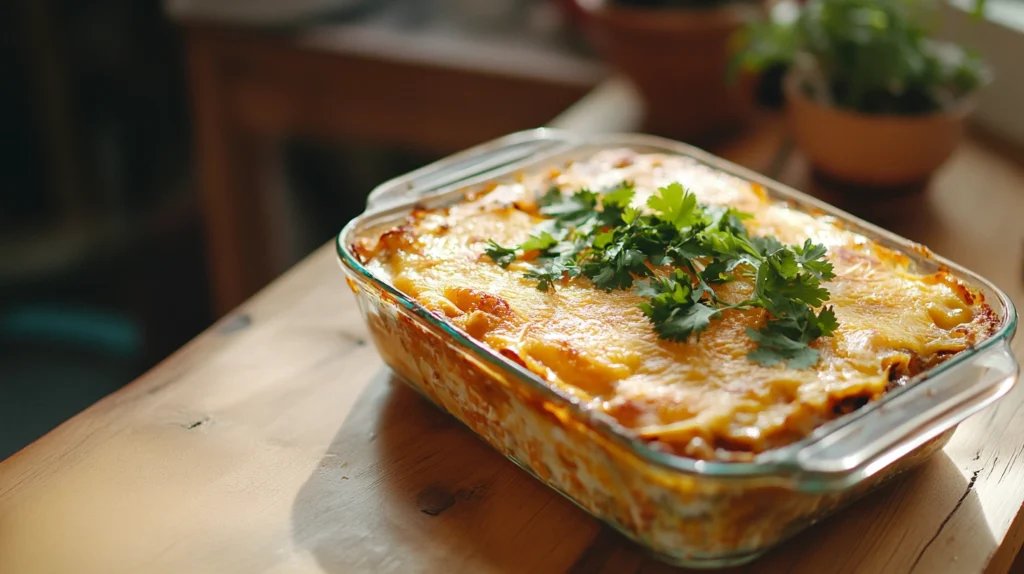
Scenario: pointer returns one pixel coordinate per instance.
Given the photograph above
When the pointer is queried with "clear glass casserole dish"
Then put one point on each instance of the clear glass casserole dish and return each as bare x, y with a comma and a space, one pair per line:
689, 512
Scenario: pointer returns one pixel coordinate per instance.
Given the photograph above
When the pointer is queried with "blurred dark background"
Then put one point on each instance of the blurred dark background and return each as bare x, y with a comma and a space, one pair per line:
102, 270
103, 254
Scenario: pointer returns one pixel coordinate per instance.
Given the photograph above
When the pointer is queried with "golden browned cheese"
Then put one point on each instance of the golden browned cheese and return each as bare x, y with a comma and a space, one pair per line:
702, 398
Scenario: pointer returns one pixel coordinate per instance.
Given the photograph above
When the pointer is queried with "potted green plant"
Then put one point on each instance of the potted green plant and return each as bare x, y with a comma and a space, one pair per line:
677, 53
871, 96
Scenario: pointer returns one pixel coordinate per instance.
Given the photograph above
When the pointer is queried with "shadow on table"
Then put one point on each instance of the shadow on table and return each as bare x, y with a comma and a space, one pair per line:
937, 493
405, 487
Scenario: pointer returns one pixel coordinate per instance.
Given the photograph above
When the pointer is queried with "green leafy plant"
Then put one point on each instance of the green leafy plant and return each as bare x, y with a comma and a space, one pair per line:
673, 254
872, 56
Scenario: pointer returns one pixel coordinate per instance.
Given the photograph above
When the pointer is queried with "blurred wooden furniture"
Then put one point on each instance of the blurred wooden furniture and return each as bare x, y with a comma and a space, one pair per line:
251, 89
277, 442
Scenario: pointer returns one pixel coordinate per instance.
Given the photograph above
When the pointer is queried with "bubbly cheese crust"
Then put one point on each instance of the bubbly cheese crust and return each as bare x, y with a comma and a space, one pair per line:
702, 398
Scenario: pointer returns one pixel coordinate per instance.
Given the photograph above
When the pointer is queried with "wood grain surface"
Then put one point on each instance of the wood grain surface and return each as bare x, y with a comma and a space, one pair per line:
277, 442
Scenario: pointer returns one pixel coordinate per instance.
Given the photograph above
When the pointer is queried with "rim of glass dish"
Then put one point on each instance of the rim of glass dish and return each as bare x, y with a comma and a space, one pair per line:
774, 466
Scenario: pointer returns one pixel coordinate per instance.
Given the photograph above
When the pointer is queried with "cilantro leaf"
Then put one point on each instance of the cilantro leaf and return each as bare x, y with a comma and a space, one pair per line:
645, 288
783, 262
574, 210
542, 242
802, 288
617, 269
659, 259
722, 242
729, 219
809, 257
765, 245
688, 250
675, 308
809, 251
620, 197
551, 272
780, 275
630, 214
666, 293
787, 338
826, 322
715, 272
675, 205
606, 278
603, 239
685, 321
503, 256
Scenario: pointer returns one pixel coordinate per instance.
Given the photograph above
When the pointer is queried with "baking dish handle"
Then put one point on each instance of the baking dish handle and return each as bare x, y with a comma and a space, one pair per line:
470, 166
917, 414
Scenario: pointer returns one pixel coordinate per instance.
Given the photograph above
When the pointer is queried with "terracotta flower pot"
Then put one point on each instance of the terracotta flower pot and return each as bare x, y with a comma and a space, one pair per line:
678, 60
869, 149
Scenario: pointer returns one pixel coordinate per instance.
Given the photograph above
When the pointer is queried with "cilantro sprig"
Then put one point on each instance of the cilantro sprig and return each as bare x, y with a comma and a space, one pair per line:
601, 237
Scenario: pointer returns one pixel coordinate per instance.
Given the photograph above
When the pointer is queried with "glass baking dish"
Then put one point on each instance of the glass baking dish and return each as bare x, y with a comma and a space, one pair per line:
688, 512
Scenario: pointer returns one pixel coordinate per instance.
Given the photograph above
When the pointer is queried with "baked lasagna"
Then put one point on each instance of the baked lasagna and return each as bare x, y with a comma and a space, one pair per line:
702, 397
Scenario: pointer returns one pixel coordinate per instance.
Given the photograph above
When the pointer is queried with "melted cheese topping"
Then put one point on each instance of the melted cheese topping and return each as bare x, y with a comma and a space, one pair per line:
703, 398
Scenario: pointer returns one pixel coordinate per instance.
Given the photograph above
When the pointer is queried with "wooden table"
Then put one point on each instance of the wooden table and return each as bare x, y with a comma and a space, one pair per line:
419, 88
277, 442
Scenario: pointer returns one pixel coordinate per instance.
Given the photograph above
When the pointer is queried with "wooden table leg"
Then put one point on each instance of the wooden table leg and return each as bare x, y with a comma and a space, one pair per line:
233, 184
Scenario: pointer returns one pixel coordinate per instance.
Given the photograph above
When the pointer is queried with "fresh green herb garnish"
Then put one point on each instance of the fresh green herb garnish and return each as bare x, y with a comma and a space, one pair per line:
599, 236
503, 256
